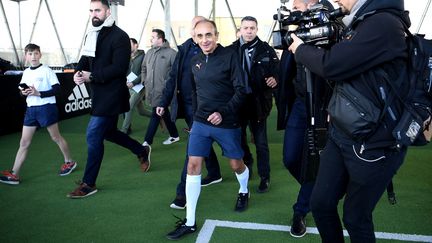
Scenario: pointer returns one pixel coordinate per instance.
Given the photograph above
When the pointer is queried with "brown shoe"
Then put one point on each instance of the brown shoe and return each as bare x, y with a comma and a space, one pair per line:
82, 191
144, 157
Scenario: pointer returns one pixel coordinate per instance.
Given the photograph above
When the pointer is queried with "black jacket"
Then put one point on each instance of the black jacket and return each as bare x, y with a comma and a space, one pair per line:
366, 49
218, 86
265, 63
109, 93
175, 86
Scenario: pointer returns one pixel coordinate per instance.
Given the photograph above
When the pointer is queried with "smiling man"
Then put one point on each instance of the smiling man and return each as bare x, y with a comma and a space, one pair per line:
218, 91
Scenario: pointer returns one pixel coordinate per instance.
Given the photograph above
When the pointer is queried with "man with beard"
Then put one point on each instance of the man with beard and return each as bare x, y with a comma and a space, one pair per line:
104, 64
358, 163
260, 65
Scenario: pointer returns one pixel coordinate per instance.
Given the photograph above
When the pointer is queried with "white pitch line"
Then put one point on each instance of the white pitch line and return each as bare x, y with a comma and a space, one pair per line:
209, 226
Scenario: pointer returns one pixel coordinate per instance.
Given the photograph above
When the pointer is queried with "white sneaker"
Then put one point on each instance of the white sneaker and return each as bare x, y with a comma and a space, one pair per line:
171, 140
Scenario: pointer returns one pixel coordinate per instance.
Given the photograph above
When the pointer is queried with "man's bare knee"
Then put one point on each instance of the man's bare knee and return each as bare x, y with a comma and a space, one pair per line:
194, 165
237, 165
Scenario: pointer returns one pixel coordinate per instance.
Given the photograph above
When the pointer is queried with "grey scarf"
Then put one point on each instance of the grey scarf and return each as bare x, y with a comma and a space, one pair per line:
349, 18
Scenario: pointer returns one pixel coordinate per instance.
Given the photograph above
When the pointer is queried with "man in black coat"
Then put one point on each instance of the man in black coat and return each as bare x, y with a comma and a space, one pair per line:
261, 66
295, 107
358, 168
103, 64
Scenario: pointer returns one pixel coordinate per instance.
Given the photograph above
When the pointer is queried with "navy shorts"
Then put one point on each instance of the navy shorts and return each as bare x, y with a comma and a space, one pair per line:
202, 136
41, 116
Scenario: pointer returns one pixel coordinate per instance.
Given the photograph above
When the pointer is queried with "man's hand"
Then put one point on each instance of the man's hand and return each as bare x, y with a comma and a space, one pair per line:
81, 76
129, 85
160, 111
296, 43
215, 118
271, 82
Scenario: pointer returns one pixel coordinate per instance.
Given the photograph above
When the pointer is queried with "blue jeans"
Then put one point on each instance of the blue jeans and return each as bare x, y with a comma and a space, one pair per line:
99, 129
154, 122
362, 178
295, 131
259, 132
212, 163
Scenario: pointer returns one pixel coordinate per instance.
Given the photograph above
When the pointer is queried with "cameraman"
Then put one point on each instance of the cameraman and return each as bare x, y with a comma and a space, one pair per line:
357, 167
296, 122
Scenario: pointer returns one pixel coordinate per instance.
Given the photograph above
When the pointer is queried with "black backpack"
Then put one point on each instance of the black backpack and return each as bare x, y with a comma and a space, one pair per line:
414, 125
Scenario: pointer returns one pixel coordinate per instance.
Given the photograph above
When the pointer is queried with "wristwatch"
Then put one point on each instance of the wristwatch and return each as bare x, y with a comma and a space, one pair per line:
91, 77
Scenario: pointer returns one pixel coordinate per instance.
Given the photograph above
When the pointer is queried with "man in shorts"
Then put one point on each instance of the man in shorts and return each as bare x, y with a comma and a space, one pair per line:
218, 91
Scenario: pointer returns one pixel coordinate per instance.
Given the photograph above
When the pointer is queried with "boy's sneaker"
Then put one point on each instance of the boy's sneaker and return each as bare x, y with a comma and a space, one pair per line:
67, 168
144, 157
181, 230
207, 181
179, 202
242, 202
82, 191
171, 140
8, 178
298, 227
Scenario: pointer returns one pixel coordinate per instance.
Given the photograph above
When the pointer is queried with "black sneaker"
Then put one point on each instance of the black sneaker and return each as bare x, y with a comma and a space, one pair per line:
144, 157
179, 202
264, 185
298, 227
207, 181
242, 202
391, 198
181, 230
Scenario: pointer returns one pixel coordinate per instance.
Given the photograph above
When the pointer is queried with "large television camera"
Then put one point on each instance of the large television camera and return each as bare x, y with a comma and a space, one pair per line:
317, 26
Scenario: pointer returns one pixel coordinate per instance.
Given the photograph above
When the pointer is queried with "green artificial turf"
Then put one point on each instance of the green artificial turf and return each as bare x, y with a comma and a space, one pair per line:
131, 206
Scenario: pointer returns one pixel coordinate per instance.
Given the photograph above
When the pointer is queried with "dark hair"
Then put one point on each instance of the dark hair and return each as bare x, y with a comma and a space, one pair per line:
249, 18
134, 40
31, 47
104, 2
160, 33
207, 21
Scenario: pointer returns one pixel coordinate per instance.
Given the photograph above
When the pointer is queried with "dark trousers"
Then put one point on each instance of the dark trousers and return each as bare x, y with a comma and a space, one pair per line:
212, 163
98, 129
154, 123
259, 133
293, 151
362, 178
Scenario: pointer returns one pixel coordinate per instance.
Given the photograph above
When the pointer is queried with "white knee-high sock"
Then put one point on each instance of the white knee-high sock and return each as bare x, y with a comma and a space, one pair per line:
243, 179
193, 189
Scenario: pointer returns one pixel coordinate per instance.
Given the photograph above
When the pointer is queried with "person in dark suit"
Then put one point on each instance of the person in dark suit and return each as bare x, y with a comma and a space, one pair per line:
104, 64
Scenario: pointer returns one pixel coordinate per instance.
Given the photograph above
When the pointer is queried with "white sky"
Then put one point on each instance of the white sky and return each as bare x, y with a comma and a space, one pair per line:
71, 16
